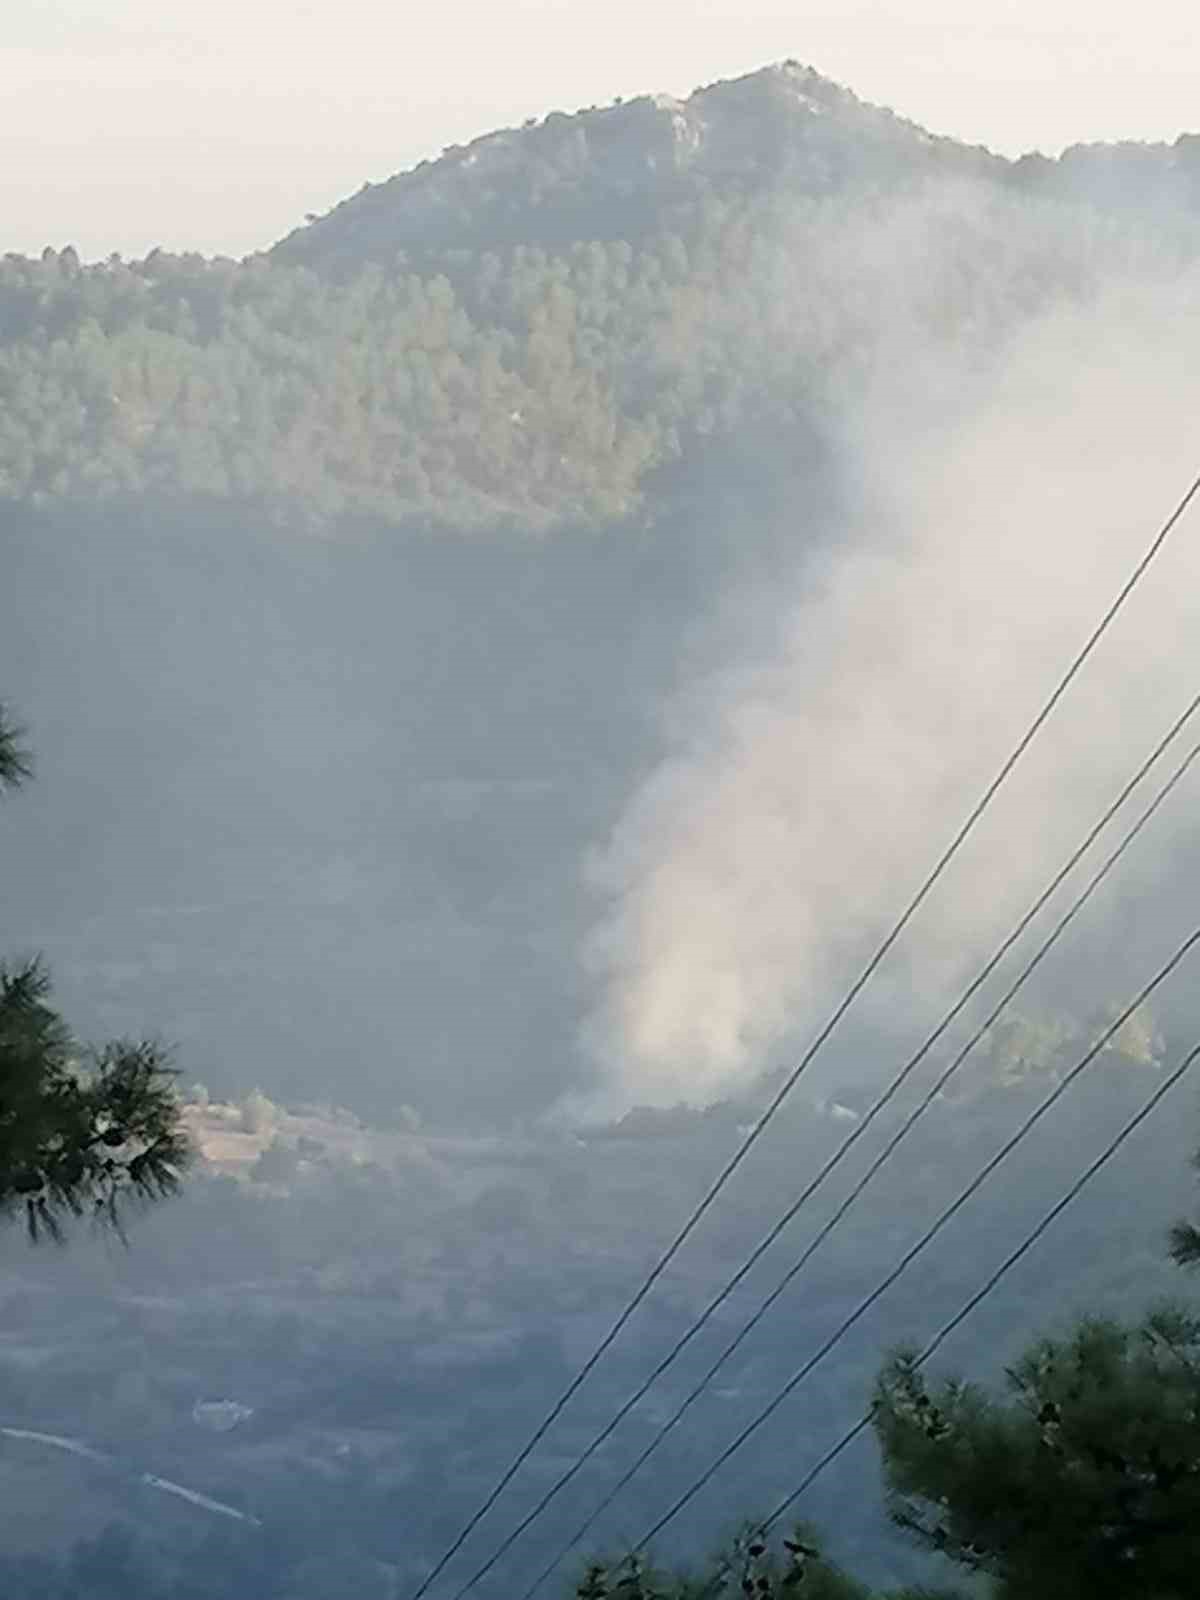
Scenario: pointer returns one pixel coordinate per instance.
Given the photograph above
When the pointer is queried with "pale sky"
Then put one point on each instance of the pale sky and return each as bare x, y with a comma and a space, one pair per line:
214, 125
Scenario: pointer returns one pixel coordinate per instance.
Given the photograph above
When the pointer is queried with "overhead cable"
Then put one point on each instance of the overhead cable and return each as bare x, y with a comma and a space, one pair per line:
872, 1170
923, 1242
840, 1011
986, 1289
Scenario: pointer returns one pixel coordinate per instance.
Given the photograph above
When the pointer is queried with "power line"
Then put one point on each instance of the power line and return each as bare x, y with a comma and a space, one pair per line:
881, 1158
960, 1316
884, 1156
923, 1242
857, 1133
982, 1293
860, 982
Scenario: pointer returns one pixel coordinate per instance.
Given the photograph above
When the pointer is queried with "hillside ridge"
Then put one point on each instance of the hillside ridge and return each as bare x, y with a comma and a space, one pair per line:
784, 122
638, 166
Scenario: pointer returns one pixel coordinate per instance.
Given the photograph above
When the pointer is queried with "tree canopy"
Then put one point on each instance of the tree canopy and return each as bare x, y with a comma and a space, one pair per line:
753, 1565
1084, 1483
82, 1132
1185, 1239
15, 764
526, 334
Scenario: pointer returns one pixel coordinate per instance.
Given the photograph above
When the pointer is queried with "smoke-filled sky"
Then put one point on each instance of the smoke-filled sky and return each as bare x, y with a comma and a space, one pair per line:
992, 488
214, 126
806, 794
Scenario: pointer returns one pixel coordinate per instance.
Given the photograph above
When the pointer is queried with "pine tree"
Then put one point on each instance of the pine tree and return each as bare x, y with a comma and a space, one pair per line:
15, 764
82, 1131
1185, 1239
1084, 1485
754, 1566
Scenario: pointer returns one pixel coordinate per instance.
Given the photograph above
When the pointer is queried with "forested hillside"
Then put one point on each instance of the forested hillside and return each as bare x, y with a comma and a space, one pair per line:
496, 660
380, 555
532, 332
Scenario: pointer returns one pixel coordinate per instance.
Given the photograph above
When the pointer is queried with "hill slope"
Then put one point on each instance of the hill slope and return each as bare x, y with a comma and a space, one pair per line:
540, 330
656, 165
589, 466
634, 170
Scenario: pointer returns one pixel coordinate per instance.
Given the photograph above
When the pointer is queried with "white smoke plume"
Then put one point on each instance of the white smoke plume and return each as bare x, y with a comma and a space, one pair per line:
1001, 503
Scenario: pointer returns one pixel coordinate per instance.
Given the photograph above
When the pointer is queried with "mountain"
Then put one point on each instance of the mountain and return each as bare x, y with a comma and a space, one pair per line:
558, 326
346, 597
385, 609
635, 170
654, 165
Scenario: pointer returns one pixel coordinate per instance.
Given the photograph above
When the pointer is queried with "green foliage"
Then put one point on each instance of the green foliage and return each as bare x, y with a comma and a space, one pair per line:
754, 1566
650, 165
1086, 1483
268, 386
1184, 1238
79, 1136
14, 758
81, 1133
503, 372
1185, 1244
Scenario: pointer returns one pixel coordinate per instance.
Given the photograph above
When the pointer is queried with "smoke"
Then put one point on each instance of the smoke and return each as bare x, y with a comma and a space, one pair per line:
1002, 491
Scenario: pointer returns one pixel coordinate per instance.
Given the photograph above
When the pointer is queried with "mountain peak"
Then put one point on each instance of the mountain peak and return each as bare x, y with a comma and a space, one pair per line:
657, 164
621, 170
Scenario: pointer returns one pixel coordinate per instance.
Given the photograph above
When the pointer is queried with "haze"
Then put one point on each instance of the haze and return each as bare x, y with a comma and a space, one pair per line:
495, 665
214, 126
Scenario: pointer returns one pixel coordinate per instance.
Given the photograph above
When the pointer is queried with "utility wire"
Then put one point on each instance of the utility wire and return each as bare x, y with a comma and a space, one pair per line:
923, 1242
883, 1156
864, 1422
982, 1293
789, 1083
